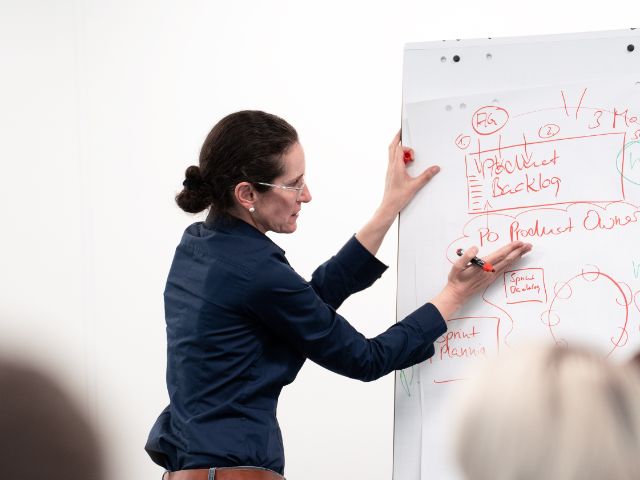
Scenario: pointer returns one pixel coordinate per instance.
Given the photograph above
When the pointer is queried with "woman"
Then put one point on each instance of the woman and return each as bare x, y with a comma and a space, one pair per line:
550, 413
241, 322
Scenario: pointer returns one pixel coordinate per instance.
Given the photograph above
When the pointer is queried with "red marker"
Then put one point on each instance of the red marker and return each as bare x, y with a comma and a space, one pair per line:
407, 156
478, 262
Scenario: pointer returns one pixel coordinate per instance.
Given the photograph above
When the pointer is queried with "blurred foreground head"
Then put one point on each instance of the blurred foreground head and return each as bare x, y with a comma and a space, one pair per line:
550, 413
43, 433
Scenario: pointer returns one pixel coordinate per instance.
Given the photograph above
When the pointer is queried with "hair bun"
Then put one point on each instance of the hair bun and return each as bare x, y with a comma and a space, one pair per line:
194, 197
193, 178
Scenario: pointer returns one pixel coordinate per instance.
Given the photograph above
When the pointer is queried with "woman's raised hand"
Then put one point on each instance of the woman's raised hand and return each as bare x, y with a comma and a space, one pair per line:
400, 187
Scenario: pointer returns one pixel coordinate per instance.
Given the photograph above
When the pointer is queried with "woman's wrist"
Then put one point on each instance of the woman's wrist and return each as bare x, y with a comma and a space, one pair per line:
447, 302
374, 231
384, 217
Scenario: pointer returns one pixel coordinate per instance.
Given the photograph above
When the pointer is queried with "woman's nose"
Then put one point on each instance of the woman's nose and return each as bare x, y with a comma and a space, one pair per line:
306, 194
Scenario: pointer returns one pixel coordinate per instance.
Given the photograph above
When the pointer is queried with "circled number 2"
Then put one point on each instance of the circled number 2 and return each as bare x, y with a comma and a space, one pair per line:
549, 130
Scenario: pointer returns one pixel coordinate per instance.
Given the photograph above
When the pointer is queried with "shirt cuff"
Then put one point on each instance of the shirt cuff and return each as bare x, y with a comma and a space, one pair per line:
430, 321
359, 260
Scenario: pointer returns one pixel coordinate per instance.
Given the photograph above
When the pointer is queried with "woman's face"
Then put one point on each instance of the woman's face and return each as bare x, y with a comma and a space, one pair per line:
277, 209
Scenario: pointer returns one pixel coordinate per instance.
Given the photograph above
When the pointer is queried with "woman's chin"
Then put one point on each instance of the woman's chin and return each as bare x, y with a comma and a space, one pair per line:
291, 226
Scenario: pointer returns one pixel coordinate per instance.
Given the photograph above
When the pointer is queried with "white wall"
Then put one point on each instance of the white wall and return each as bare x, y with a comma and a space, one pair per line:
102, 106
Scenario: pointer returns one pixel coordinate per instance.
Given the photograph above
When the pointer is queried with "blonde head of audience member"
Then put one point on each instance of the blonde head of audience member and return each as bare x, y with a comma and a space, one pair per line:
43, 433
550, 413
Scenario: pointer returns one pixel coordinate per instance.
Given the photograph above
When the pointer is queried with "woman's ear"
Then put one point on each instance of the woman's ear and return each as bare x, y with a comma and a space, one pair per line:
245, 195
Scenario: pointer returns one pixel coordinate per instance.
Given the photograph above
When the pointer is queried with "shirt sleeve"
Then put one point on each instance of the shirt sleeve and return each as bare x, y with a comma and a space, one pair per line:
351, 270
291, 308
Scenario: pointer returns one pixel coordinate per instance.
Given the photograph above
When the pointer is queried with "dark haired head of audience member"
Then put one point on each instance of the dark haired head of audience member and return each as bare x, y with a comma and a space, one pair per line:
550, 413
43, 433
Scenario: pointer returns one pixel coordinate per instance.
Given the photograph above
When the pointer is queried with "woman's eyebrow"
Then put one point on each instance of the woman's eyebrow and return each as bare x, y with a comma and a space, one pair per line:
296, 180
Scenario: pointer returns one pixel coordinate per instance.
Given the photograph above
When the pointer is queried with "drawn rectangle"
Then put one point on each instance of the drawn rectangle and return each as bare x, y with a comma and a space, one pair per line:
541, 173
525, 285
466, 340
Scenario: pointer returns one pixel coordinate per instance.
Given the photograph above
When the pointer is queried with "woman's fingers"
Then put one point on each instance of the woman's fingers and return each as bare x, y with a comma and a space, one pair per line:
509, 254
463, 262
394, 143
427, 175
500, 259
501, 253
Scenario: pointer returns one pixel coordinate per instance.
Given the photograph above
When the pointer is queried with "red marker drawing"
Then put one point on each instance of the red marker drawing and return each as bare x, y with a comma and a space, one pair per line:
407, 156
486, 266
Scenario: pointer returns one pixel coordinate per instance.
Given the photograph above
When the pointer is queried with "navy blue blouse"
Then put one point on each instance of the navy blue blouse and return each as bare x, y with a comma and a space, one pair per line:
240, 324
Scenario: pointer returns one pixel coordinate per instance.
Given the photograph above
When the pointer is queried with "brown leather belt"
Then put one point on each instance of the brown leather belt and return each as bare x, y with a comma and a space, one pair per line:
224, 473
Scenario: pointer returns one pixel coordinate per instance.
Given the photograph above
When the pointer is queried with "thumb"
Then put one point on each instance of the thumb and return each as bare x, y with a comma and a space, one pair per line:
427, 175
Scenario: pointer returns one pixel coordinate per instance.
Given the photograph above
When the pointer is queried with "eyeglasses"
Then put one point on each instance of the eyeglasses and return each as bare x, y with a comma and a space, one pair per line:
298, 190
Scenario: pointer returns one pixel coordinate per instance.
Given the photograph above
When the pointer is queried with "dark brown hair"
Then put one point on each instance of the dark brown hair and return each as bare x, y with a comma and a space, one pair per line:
245, 146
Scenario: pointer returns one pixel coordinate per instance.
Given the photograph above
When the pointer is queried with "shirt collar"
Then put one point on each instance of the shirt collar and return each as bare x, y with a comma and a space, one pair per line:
231, 224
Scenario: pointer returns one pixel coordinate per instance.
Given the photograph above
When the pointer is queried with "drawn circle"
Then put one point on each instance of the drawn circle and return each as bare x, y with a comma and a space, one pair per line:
591, 274
562, 286
630, 171
628, 295
489, 119
548, 130
463, 141
456, 58
622, 341
552, 318
622, 328
630, 47
489, 56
